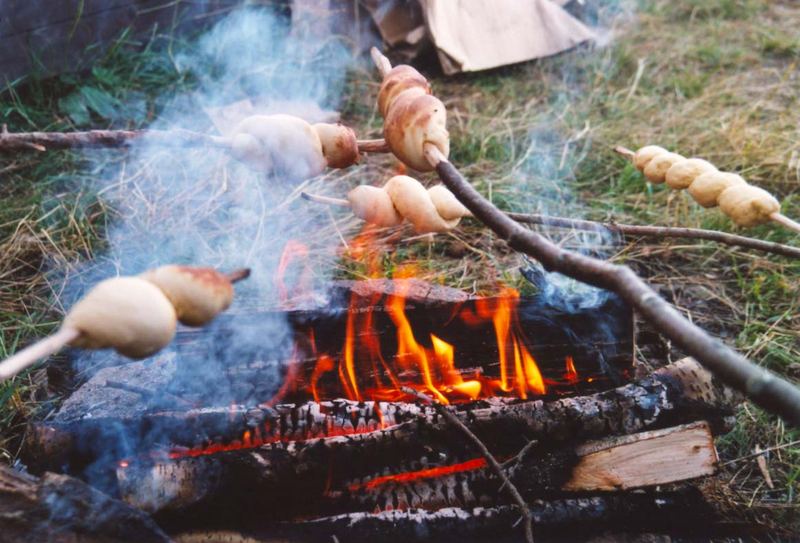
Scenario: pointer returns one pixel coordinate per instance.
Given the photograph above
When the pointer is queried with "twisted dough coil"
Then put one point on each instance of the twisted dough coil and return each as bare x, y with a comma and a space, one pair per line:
290, 147
433, 210
137, 316
413, 117
744, 204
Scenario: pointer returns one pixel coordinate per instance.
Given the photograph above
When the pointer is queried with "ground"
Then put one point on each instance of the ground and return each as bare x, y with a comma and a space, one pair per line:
711, 78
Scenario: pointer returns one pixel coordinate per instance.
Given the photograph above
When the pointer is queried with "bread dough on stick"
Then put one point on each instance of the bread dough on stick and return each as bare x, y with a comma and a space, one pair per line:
128, 314
198, 294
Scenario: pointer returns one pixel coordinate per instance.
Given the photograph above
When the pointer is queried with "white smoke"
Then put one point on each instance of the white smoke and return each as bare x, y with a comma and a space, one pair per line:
196, 206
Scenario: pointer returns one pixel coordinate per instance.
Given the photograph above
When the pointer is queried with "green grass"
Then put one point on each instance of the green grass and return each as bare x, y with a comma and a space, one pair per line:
718, 79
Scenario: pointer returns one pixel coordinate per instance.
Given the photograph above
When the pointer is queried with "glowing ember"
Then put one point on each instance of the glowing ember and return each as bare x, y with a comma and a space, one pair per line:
429, 473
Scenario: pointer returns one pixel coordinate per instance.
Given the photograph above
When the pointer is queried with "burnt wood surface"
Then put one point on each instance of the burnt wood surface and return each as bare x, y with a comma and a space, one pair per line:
292, 473
565, 519
60, 508
310, 434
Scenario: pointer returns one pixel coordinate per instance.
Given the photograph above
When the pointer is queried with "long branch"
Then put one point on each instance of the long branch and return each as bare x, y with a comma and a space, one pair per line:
43, 141
759, 385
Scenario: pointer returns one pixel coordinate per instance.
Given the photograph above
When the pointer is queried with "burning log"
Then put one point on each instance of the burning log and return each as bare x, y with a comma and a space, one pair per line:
642, 460
295, 457
61, 508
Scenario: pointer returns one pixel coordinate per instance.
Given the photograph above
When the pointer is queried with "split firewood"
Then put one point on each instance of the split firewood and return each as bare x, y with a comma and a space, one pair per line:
136, 316
745, 204
412, 115
402, 198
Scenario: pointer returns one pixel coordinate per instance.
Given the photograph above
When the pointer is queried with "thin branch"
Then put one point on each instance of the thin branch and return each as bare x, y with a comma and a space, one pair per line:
238, 275
43, 141
490, 459
624, 229
762, 452
327, 200
660, 232
759, 385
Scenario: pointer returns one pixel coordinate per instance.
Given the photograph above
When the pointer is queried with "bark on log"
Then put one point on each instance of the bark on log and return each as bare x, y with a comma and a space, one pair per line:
315, 434
60, 508
562, 519
674, 395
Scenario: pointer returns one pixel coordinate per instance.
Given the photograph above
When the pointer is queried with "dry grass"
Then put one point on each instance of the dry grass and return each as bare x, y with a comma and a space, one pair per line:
716, 78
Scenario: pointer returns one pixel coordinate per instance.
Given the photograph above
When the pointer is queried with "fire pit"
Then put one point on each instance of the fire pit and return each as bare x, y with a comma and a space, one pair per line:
338, 430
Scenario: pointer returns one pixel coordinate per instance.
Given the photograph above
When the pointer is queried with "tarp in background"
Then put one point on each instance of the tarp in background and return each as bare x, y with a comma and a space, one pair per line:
473, 35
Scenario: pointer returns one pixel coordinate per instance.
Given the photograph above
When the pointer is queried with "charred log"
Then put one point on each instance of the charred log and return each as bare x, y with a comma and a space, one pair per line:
61, 508
560, 519
303, 468
364, 438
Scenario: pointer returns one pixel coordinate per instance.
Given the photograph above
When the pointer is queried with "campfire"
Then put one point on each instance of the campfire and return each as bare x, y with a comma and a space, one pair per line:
348, 431
397, 407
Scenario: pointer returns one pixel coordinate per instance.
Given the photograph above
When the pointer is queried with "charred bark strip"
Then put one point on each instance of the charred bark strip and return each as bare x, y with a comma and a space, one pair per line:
563, 519
60, 508
295, 472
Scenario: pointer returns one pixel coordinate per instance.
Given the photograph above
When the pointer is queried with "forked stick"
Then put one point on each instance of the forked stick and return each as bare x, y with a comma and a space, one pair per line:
63, 337
777, 217
631, 230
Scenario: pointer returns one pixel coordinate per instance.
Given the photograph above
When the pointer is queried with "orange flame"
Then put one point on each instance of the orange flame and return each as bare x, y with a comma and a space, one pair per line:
364, 374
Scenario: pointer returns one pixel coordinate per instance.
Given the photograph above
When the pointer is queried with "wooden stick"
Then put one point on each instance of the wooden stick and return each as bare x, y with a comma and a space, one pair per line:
763, 387
373, 146
327, 200
381, 62
785, 221
43, 141
41, 349
777, 217
490, 459
624, 229
238, 275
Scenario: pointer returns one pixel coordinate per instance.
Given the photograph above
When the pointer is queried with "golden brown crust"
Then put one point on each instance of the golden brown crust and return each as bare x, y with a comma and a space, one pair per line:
398, 80
339, 144
414, 120
707, 187
198, 294
748, 205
